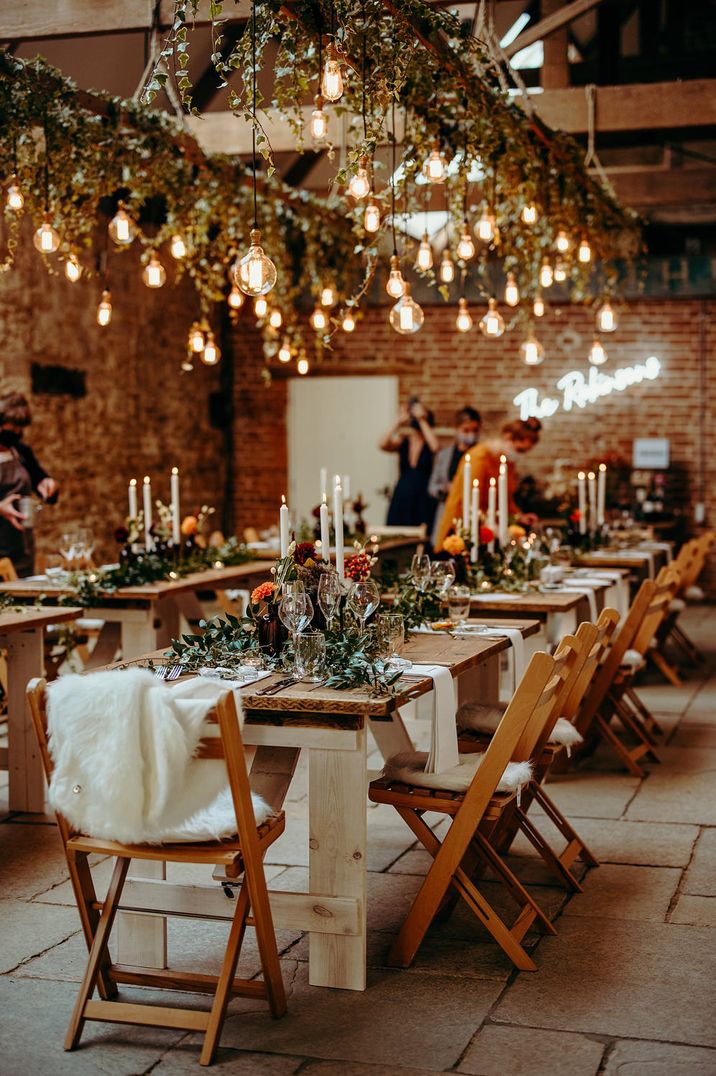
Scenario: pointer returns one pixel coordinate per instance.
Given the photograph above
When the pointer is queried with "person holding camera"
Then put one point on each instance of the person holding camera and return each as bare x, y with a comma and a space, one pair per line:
413, 438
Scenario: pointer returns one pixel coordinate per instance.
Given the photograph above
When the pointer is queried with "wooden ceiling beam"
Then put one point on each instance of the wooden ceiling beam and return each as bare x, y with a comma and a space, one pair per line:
636, 107
555, 21
25, 20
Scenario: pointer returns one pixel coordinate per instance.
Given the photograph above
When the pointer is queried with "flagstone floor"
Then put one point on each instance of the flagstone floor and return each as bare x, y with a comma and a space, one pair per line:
626, 986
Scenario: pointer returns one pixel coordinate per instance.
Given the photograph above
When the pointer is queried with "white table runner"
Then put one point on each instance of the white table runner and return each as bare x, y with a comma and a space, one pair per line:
443, 738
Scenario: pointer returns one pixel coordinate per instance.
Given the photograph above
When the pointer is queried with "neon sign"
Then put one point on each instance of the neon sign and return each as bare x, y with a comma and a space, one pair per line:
578, 390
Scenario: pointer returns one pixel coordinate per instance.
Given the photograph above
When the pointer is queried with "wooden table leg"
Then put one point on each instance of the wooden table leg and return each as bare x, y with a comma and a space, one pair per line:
139, 636
25, 659
337, 864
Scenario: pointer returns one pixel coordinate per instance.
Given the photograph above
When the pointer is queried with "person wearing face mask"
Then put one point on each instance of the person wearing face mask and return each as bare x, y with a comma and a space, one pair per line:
20, 476
515, 439
467, 434
413, 438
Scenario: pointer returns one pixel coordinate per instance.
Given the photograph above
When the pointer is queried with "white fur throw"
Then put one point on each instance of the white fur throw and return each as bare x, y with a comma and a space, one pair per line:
694, 594
409, 767
677, 605
122, 744
481, 718
633, 660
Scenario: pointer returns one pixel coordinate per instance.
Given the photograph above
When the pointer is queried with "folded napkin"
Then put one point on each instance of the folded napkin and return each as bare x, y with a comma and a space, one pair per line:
443, 739
495, 596
588, 593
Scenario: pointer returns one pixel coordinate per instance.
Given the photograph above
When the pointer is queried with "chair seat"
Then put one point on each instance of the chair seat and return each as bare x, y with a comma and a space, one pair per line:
483, 720
444, 801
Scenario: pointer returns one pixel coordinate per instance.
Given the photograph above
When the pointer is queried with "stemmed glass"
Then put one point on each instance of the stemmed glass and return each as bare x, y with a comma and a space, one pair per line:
295, 610
329, 596
363, 599
458, 599
420, 571
442, 572
68, 547
391, 635
85, 545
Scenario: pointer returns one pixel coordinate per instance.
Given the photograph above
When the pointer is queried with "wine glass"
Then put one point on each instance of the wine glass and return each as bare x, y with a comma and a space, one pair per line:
85, 546
458, 599
329, 596
293, 586
292, 611
391, 636
442, 573
68, 546
363, 599
420, 570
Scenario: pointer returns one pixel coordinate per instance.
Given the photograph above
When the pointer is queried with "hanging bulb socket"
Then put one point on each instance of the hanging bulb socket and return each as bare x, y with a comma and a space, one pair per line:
396, 285
512, 292
319, 121
46, 238
104, 310
463, 321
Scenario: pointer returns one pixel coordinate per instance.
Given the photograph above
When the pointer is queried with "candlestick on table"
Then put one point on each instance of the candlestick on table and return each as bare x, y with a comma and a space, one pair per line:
325, 531
601, 494
338, 527
147, 504
592, 479
324, 483
475, 520
502, 510
582, 494
491, 521
132, 494
283, 526
466, 484
346, 483
176, 532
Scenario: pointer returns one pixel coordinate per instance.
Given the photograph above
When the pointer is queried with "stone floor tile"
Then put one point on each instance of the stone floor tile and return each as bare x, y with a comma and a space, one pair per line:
619, 978
357, 1068
585, 794
183, 1060
35, 1019
668, 698
656, 844
400, 1020
29, 929
629, 1058
618, 891
414, 861
694, 733
518, 1051
31, 859
701, 875
697, 911
681, 789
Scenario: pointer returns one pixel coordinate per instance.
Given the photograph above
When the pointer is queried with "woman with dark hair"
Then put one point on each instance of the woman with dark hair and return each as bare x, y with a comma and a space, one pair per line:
412, 437
20, 476
516, 438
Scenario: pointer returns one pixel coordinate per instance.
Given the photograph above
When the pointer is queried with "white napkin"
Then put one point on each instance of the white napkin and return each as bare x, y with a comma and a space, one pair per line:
588, 594
493, 596
443, 740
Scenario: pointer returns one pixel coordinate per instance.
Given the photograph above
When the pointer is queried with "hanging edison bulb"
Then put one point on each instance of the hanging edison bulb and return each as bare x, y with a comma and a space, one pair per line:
359, 186
260, 307
485, 227
73, 269
396, 285
235, 298
424, 260
319, 121
284, 352
255, 274
538, 305
435, 168
15, 197
328, 295
512, 292
546, 276
560, 272
606, 319
447, 267
529, 213
584, 252
463, 321
211, 353
104, 310
332, 81
466, 247
195, 343
531, 351
122, 228
302, 365
275, 318
46, 239
154, 275
597, 353
187, 365
492, 324
562, 242
371, 217
177, 247
348, 322
318, 319
406, 317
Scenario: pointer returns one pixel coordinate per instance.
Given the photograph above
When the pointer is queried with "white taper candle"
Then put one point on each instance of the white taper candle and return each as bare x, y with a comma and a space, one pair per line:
338, 527
582, 494
147, 505
325, 531
283, 526
466, 484
176, 532
475, 521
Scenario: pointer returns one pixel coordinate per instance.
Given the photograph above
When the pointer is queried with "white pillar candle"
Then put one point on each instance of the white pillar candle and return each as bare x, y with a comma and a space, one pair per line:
347, 486
592, 479
176, 533
582, 493
466, 484
147, 505
283, 526
324, 483
475, 520
338, 527
601, 494
325, 531
491, 508
132, 492
502, 509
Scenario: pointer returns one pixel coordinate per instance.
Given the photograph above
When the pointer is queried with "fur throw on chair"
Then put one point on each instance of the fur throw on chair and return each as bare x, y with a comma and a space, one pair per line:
409, 767
482, 718
122, 744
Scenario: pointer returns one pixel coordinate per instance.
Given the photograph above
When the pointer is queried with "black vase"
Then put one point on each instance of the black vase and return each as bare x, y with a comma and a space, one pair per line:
272, 633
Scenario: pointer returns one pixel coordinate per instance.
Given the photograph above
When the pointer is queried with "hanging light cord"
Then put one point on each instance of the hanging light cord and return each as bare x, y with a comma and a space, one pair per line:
365, 124
47, 161
392, 180
320, 49
253, 104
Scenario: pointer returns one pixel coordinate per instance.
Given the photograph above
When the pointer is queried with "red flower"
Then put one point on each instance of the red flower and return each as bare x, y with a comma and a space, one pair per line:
304, 551
575, 516
486, 535
121, 535
358, 566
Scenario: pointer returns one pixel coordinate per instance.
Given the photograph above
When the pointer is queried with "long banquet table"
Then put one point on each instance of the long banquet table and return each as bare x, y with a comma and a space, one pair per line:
561, 611
332, 726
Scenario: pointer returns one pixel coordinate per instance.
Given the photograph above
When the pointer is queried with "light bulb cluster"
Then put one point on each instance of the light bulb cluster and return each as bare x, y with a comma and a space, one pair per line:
201, 344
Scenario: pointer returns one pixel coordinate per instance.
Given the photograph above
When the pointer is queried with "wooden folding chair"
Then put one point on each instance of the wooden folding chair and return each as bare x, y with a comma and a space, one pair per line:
240, 855
690, 563
454, 857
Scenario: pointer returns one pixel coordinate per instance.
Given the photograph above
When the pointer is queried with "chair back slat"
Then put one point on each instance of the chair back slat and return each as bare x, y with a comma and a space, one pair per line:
667, 583
604, 631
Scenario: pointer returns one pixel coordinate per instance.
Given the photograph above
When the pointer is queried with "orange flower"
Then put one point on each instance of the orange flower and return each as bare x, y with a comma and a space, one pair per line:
262, 592
453, 545
515, 531
189, 526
